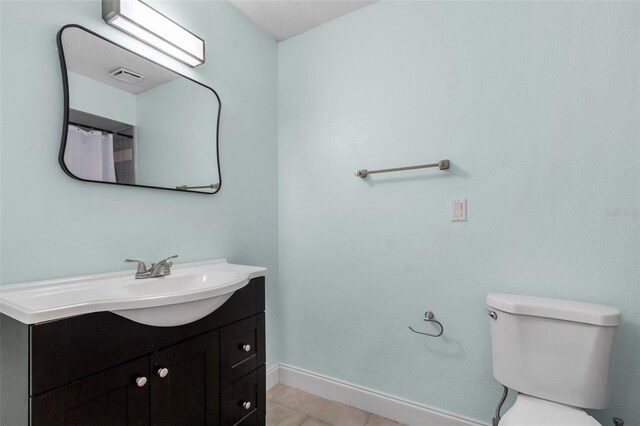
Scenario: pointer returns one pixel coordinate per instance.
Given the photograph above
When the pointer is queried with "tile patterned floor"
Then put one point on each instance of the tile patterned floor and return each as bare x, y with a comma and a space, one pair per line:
287, 406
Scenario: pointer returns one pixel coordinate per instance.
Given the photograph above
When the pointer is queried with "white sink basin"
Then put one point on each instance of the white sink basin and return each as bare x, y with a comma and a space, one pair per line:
192, 291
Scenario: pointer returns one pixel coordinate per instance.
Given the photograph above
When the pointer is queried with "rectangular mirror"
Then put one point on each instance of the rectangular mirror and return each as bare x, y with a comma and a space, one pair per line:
130, 121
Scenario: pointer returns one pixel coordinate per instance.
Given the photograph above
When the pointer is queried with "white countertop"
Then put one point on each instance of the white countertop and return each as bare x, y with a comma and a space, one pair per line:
38, 301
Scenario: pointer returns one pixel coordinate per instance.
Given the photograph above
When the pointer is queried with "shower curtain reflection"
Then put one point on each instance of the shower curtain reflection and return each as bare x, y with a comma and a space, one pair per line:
89, 154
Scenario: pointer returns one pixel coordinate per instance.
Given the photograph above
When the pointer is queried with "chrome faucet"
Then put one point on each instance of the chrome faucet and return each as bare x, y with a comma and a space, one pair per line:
159, 269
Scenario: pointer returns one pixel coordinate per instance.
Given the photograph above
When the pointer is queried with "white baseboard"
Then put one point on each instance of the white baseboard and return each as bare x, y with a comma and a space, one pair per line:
382, 404
273, 376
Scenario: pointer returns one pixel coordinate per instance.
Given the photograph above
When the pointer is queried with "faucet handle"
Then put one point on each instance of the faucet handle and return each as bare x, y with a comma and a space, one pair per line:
168, 262
142, 268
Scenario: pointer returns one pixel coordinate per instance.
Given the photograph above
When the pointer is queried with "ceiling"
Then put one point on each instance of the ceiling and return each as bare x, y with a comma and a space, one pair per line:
286, 18
95, 58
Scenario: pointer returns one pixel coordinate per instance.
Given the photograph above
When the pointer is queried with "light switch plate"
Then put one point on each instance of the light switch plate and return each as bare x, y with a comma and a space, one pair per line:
459, 210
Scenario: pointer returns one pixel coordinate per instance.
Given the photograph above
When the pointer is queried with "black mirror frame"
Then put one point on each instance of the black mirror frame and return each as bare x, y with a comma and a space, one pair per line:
65, 88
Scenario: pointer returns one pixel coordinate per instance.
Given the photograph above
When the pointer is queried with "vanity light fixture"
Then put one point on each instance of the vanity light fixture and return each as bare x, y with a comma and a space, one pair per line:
152, 27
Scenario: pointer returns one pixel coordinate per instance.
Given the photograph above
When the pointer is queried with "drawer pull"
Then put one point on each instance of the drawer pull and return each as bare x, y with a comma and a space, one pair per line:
246, 405
245, 348
141, 381
162, 372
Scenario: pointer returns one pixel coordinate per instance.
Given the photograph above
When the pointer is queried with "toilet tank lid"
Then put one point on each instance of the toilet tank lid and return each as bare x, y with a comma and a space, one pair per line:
569, 310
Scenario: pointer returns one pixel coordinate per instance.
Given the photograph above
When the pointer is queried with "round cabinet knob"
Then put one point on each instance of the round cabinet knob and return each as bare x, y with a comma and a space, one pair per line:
141, 381
246, 405
162, 372
246, 348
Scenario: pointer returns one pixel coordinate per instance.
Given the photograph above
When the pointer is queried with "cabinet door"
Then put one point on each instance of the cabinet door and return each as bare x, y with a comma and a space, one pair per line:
185, 383
110, 398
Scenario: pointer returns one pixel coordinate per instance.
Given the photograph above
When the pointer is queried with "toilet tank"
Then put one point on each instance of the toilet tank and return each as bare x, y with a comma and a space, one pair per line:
555, 349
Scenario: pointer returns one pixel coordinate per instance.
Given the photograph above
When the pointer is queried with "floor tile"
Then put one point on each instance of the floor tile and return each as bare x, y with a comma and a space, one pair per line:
277, 389
334, 413
279, 415
312, 421
375, 420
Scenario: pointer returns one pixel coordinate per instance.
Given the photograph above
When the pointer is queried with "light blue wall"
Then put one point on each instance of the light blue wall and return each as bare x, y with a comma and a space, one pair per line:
173, 139
537, 106
54, 226
94, 97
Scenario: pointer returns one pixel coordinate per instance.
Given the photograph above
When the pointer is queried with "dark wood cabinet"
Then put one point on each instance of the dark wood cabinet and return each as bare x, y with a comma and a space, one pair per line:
241, 348
102, 369
104, 399
244, 400
185, 383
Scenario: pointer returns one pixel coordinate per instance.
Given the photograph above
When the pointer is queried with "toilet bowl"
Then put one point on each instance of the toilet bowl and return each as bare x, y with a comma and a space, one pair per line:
555, 353
531, 411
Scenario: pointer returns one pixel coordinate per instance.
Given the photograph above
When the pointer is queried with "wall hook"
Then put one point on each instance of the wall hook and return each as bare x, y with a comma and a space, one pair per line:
429, 317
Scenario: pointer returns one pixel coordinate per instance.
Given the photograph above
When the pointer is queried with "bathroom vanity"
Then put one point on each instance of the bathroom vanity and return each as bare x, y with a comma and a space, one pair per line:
101, 368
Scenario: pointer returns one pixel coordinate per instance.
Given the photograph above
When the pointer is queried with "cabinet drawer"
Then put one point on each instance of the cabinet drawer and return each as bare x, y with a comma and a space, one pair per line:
241, 348
243, 402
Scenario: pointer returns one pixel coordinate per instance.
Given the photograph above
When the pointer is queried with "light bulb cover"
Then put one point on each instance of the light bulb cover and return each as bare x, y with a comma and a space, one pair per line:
143, 22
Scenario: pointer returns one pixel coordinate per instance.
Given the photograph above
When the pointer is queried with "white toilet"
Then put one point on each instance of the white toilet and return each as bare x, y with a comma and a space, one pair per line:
555, 353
